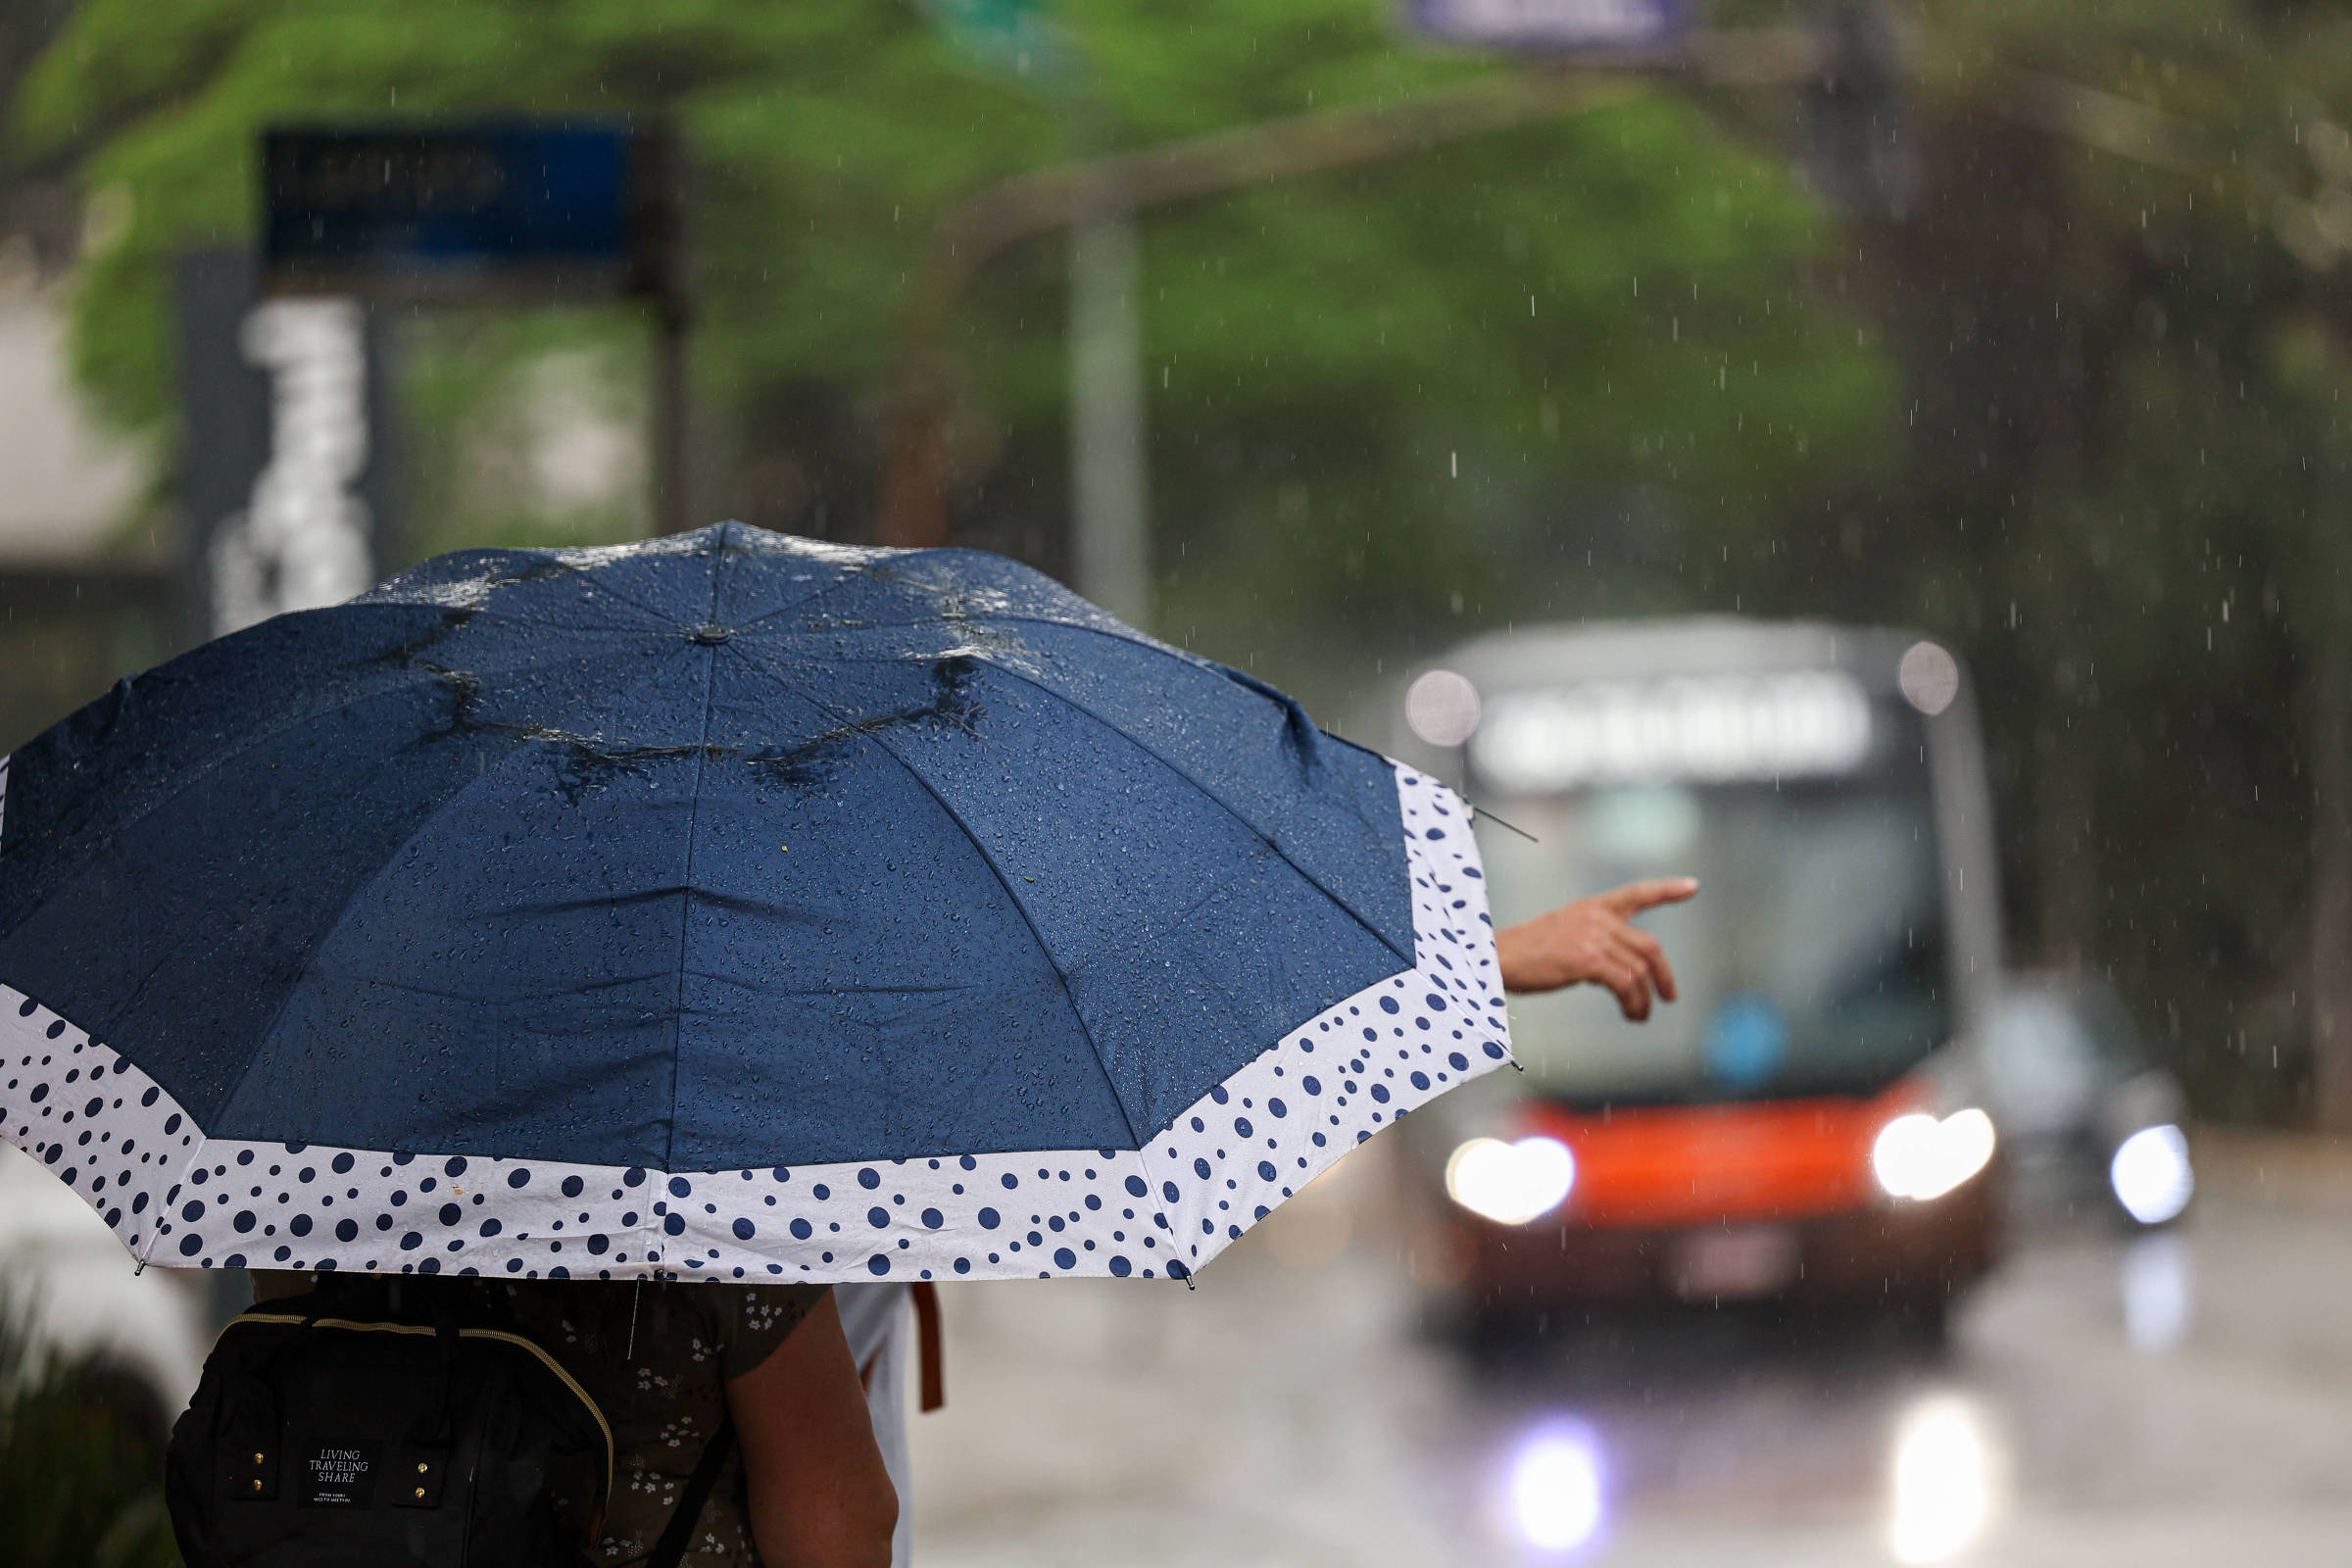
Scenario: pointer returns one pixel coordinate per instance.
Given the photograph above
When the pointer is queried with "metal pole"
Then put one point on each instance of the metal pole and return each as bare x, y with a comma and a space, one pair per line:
2329, 721
671, 514
1109, 491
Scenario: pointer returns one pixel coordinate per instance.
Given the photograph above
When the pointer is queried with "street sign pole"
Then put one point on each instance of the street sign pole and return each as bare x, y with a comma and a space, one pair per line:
658, 173
671, 510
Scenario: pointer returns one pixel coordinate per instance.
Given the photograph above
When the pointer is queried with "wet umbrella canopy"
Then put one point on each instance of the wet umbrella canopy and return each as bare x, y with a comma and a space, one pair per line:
729, 904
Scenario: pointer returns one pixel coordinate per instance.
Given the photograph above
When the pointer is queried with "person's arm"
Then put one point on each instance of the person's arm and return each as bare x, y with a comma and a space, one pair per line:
1596, 940
819, 1496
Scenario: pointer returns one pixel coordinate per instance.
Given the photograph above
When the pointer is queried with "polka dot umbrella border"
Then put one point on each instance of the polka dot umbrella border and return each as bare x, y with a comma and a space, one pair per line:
176, 1196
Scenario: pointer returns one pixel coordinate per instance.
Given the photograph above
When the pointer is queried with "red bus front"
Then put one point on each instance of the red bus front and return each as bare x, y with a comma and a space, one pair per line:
1803, 1124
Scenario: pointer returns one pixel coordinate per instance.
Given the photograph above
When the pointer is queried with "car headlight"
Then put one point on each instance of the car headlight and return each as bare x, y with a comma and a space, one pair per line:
1919, 1156
1510, 1184
2150, 1174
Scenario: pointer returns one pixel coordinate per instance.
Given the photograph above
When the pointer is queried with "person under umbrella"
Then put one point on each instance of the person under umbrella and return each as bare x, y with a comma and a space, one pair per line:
817, 1484
732, 909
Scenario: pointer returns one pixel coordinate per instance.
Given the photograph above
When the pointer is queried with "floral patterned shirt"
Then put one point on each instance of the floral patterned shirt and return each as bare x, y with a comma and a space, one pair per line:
654, 1356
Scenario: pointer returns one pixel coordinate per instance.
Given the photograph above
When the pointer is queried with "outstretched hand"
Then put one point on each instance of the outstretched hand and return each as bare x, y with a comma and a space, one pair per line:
1596, 940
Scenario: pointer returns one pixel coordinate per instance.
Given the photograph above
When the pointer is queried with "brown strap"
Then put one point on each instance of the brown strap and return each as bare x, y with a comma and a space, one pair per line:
926, 1327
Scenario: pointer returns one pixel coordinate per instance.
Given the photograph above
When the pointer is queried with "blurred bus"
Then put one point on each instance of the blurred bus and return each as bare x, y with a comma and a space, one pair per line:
1807, 1124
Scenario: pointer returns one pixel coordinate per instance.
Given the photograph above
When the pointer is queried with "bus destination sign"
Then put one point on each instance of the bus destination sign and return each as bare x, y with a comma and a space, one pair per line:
1701, 729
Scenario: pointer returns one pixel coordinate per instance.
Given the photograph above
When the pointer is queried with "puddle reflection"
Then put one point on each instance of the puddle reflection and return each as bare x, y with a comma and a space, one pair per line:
2157, 1292
1555, 1489
1944, 1472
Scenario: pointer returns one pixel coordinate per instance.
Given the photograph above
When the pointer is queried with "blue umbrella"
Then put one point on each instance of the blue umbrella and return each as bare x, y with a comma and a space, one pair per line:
730, 904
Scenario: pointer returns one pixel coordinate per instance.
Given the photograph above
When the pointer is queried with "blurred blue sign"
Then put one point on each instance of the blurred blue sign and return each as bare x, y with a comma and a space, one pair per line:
566, 206
1631, 25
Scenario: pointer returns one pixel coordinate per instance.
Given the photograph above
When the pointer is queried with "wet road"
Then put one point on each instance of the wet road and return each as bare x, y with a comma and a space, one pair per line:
2178, 1399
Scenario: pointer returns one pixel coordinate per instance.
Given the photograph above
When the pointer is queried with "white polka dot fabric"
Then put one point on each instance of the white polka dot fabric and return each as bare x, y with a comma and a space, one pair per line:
176, 1196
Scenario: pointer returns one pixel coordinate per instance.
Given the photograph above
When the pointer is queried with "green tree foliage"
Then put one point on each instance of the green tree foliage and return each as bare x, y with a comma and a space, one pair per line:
82, 1453
2080, 413
2122, 488
1373, 393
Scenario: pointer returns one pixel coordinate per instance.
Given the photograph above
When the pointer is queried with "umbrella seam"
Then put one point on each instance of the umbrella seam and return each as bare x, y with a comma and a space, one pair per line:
410, 675
861, 570
223, 1109
1156, 755
177, 1185
1013, 898
849, 572
390, 591
1221, 804
693, 809
214, 764
1117, 630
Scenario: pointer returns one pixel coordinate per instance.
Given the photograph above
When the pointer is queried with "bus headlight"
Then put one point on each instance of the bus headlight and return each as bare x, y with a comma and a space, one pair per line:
1510, 1184
2150, 1174
1919, 1158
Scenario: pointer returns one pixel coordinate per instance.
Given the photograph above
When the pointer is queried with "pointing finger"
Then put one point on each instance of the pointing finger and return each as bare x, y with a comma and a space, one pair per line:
1635, 896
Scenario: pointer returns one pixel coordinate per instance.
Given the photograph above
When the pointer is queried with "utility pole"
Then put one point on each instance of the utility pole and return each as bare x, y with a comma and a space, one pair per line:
671, 513
2332, 884
2327, 721
1110, 489
658, 269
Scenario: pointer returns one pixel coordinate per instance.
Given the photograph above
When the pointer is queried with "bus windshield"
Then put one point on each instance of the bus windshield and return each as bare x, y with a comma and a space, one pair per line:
1814, 960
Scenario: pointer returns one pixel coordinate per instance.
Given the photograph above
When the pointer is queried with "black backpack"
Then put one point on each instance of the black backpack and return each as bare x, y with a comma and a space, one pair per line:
396, 1424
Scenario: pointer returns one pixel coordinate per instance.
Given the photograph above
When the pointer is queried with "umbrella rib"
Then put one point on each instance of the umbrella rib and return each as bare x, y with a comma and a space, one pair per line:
851, 573
1208, 794
854, 571
1117, 630
589, 573
859, 570
525, 749
851, 727
1128, 635
406, 675
694, 812
210, 766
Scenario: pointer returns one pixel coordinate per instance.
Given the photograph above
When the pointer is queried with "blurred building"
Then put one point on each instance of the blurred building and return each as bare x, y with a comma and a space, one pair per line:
85, 595
67, 482
85, 587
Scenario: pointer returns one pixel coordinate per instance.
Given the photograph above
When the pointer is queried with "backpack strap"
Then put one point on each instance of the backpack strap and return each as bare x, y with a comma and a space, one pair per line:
682, 1519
